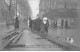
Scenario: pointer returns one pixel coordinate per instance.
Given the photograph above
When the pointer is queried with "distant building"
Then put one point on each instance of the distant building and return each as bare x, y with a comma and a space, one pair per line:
59, 14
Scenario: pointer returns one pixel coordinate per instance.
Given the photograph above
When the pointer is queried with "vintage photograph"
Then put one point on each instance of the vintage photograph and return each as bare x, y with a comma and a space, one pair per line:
39, 25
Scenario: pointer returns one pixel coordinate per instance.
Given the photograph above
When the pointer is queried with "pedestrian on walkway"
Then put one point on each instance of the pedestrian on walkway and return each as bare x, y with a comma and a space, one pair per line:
16, 23
34, 25
45, 25
30, 23
38, 24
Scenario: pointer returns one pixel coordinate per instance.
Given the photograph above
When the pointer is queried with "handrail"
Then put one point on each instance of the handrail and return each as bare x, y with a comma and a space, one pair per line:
8, 41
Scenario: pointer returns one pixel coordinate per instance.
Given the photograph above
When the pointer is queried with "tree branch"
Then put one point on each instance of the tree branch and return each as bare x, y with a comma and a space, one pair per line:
11, 5
6, 4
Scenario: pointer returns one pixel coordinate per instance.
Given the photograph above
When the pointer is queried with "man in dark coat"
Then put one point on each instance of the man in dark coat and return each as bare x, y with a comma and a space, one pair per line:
16, 23
36, 23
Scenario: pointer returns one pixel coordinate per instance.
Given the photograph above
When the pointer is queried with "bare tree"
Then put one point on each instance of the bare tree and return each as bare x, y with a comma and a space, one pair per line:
9, 5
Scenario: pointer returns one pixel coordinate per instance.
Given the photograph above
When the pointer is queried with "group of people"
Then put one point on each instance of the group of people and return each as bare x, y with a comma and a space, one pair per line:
62, 23
38, 24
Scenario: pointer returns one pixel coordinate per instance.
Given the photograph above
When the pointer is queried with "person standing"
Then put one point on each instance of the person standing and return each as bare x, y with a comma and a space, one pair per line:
55, 23
30, 23
62, 23
45, 25
16, 23
38, 24
33, 24
66, 24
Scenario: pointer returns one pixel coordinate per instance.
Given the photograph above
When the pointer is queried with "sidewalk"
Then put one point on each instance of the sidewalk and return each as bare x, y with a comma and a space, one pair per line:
32, 42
